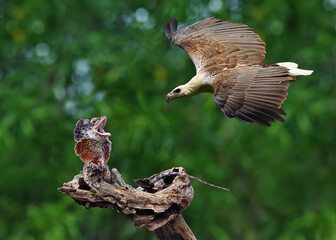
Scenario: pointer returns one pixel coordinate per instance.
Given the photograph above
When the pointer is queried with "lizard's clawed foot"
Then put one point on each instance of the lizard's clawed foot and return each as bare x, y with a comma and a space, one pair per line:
130, 189
116, 176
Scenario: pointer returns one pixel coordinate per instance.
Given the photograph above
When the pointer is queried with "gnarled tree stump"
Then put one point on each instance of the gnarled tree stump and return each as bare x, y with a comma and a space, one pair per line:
156, 205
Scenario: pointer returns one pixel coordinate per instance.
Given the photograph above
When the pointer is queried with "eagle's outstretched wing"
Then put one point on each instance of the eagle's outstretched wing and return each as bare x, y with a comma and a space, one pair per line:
252, 94
214, 44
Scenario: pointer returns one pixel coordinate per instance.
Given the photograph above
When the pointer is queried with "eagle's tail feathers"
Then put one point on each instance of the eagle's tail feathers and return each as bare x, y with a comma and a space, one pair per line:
294, 70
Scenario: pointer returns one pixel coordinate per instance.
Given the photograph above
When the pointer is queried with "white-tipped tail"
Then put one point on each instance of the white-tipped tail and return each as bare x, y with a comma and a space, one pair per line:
294, 70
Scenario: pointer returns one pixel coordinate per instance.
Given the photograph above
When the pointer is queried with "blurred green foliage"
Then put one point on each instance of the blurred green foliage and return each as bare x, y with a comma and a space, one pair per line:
65, 60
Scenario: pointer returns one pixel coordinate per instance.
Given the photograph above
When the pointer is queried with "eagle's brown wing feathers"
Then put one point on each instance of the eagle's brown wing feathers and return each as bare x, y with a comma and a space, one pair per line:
232, 55
215, 44
254, 94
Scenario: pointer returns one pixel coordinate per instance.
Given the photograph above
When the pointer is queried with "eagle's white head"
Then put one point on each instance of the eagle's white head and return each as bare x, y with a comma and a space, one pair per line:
180, 91
195, 86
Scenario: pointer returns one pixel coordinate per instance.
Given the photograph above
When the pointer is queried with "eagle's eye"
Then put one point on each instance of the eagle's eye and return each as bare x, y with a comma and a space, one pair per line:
177, 90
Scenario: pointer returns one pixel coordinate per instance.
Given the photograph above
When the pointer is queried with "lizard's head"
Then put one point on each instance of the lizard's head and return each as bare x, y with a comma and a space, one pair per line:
93, 144
91, 129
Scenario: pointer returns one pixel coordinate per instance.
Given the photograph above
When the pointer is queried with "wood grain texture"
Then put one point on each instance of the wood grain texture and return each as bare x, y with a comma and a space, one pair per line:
156, 205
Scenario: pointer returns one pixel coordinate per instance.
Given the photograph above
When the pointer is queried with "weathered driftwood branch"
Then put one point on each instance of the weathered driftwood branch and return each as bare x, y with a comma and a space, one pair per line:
156, 205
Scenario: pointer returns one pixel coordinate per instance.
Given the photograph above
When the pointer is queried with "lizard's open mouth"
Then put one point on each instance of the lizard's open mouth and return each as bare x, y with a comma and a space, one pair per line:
100, 128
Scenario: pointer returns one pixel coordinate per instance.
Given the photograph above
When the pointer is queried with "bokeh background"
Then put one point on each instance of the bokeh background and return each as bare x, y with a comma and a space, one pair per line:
65, 60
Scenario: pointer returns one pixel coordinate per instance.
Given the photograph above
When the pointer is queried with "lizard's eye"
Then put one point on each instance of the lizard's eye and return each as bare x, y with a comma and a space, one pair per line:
177, 90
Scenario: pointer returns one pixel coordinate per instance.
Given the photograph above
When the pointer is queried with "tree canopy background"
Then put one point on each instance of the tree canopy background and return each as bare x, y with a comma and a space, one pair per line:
65, 60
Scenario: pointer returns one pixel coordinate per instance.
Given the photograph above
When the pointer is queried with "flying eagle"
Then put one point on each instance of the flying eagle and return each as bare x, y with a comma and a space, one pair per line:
229, 63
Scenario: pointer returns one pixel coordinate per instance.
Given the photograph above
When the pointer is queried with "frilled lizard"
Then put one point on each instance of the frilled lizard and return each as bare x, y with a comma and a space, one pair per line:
93, 147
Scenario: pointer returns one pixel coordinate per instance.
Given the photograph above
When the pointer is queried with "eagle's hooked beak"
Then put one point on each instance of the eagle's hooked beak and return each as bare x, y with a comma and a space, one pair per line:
168, 97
